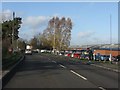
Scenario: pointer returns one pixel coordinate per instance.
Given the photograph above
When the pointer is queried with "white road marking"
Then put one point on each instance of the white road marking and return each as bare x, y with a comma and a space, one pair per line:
54, 61
78, 75
62, 66
102, 88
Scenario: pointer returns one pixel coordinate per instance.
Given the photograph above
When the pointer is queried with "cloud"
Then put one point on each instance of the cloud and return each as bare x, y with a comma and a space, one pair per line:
35, 21
33, 25
6, 15
86, 34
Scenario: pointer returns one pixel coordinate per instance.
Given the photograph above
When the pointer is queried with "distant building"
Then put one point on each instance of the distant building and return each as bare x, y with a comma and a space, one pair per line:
107, 52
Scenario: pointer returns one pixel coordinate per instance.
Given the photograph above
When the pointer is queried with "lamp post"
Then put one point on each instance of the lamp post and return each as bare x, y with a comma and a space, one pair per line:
54, 36
110, 38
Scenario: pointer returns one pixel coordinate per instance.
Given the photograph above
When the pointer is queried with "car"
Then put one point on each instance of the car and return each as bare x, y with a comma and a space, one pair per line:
97, 57
104, 57
61, 53
28, 51
68, 54
35, 51
43, 51
118, 58
75, 55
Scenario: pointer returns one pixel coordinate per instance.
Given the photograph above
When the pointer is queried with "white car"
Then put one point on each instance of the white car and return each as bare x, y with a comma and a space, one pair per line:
42, 51
28, 51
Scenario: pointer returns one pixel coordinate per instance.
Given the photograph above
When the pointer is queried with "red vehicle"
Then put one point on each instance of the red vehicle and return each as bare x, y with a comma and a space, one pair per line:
68, 53
76, 55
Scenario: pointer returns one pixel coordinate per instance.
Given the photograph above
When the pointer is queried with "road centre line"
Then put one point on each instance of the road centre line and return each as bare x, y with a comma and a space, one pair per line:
102, 88
54, 61
62, 66
78, 75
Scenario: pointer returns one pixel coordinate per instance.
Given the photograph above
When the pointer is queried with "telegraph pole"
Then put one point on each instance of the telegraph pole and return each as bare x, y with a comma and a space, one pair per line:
13, 31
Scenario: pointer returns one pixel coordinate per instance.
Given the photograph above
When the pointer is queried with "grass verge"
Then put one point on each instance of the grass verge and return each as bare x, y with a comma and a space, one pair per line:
9, 61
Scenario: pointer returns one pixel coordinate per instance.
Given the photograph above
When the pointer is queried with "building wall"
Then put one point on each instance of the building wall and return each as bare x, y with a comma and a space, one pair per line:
107, 52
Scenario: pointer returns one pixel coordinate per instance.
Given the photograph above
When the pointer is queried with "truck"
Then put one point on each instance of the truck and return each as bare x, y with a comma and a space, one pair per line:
28, 47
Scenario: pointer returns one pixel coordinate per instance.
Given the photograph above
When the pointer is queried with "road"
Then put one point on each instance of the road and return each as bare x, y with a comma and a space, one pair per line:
42, 71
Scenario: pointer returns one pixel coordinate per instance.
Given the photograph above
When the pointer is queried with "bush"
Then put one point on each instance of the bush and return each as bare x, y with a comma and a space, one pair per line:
5, 46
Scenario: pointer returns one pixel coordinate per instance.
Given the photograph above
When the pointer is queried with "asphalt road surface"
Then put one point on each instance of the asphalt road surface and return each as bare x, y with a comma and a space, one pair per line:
42, 71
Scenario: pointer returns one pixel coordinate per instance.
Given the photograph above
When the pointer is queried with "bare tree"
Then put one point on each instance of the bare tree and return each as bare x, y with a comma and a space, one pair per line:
58, 32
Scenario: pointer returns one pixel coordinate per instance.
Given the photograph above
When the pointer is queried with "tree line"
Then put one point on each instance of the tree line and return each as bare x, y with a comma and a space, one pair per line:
57, 35
10, 31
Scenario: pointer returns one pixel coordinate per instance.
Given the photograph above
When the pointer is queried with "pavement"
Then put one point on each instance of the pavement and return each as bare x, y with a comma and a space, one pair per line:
8, 70
6, 74
44, 71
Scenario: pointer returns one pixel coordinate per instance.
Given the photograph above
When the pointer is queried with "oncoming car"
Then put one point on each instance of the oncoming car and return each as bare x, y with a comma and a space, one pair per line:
28, 51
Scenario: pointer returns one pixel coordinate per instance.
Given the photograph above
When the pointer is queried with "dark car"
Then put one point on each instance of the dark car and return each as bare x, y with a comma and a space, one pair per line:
97, 57
118, 58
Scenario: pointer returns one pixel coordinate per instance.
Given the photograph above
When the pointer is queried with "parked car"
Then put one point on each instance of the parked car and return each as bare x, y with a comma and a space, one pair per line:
75, 55
118, 58
97, 57
43, 51
67, 53
35, 51
61, 53
104, 57
85, 55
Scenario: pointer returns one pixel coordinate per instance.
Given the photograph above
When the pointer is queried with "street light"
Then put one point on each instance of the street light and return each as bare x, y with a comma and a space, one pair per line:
54, 34
110, 38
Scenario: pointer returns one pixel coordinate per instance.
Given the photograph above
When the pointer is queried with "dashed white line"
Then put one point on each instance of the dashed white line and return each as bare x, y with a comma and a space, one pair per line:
62, 66
78, 75
54, 61
102, 88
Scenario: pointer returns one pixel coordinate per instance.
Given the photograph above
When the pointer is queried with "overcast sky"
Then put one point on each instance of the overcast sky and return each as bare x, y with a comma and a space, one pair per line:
91, 20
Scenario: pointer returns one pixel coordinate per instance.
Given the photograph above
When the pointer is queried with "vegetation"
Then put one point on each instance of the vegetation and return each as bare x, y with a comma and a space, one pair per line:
57, 35
8, 26
21, 44
7, 34
10, 60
